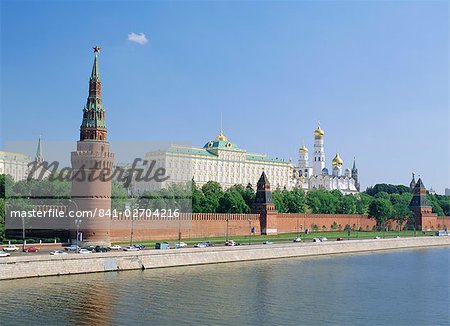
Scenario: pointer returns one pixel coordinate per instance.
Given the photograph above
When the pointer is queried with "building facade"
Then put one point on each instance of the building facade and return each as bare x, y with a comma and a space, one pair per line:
15, 165
318, 176
218, 160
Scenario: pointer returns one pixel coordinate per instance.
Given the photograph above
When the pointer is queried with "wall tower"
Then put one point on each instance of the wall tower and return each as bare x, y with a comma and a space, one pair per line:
92, 164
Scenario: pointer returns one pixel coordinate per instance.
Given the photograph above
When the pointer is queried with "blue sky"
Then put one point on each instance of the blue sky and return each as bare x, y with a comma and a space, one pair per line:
375, 73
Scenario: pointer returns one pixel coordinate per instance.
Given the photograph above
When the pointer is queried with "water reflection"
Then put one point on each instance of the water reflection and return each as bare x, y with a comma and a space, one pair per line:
408, 287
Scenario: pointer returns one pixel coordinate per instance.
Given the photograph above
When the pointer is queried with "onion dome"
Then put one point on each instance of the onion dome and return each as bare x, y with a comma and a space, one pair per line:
303, 149
319, 132
337, 161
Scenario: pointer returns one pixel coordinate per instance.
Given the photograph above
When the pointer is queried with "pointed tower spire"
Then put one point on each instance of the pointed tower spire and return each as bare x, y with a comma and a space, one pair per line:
39, 158
93, 126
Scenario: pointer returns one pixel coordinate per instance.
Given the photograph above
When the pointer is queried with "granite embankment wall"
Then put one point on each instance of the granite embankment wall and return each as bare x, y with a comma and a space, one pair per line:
215, 225
43, 265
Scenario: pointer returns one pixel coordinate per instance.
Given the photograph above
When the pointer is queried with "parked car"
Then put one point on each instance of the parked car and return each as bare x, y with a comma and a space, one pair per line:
72, 248
323, 239
131, 248
316, 240
340, 239
11, 247
162, 245
4, 254
201, 245
377, 237
115, 247
31, 249
58, 252
140, 246
231, 243
297, 240
267, 242
89, 248
101, 249
84, 251
179, 245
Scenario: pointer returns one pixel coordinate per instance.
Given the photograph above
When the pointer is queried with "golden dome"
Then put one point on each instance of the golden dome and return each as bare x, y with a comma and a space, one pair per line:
337, 160
303, 149
319, 132
221, 137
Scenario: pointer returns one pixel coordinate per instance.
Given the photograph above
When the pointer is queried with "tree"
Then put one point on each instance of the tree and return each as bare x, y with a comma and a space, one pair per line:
347, 205
322, 201
233, 202
362, 203
278, 201
294, 200
213, 192
381, 210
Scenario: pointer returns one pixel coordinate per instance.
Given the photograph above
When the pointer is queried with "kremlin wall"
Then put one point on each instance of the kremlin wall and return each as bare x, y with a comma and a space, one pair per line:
197, 225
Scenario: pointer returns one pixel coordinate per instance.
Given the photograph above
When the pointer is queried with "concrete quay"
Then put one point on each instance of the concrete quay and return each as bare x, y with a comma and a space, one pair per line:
43, 265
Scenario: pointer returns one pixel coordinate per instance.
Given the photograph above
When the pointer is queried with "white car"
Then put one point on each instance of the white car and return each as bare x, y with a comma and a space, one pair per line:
5, 254
316, 240
267, 242
182, 244
298, 240
84, 251
57, 253
11, 247
131, 248
323, 239
115, 247
72, 248
231, 243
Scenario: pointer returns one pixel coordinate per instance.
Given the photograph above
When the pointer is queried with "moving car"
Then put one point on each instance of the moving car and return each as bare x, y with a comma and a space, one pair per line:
11, 247
316, 240
115, 247
323, 239
84, 251
58, 252
201, 245
180, 245
72, 248
297, 240
267, 242
340, 239
162, 245
31, 249
101, 249
140, 246
231, 243
4, 254
131, 248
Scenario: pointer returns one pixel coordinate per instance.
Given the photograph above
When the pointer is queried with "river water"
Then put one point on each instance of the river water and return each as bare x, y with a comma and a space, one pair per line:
408, 287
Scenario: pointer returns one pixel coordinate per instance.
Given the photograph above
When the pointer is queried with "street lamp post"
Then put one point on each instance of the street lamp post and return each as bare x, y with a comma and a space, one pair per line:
78, 222
249, 230
227, 229
23, 233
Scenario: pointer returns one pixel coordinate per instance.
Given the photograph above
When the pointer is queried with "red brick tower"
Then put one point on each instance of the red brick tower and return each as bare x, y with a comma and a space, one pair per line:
92, 163
424, 217
264, 206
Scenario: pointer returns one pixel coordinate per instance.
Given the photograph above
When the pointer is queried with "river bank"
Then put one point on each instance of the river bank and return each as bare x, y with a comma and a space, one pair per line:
35, 266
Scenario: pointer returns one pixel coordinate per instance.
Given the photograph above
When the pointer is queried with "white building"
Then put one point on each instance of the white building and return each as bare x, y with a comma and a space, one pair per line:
18, 165
14, 164
218, 160
318, 176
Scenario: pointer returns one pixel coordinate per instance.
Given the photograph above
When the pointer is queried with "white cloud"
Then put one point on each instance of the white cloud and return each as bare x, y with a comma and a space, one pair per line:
138, 38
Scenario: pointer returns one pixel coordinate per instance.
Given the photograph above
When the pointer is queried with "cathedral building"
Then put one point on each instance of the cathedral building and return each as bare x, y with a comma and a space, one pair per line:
318, 176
